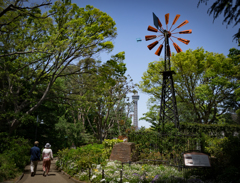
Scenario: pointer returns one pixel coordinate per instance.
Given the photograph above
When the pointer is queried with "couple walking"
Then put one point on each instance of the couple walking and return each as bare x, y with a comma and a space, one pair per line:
47, 156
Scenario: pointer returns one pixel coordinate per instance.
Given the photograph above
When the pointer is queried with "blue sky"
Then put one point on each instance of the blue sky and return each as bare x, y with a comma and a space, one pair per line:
132, 18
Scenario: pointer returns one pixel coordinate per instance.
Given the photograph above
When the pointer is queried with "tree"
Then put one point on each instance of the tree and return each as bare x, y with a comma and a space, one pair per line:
19, 10
99, 94
231, 12
204, 84
35, 52
234, 54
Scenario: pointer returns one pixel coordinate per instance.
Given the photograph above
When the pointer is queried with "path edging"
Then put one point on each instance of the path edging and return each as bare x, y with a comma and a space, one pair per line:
20, 178
12, 181
70, 177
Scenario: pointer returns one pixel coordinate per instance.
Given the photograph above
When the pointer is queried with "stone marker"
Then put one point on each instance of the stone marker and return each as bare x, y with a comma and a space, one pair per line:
123, 152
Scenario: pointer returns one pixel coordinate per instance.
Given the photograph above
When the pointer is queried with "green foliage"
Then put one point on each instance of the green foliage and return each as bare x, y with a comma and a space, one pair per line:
73, 131
73, 160
37, 49
108, 145
216, 130
223, 150
8, 168
225, 162
155, 145
14, 155
99, 95
231, 13
206, 85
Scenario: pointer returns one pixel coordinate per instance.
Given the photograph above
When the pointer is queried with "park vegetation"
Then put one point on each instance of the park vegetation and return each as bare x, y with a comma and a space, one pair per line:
53, 89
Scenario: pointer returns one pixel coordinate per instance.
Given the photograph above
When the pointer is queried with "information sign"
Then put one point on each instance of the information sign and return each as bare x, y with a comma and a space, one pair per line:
196, 159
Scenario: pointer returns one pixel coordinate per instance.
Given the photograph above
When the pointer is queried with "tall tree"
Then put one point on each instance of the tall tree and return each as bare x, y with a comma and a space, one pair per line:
34, 52
204, 84
99, 94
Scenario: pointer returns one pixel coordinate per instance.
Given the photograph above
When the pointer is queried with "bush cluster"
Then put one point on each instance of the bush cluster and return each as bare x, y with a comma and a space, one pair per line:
223, 150
225, 159
14, 155
81, 158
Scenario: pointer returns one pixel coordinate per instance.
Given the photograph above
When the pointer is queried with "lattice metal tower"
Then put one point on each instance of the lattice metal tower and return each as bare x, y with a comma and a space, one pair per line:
168, 108
135, 99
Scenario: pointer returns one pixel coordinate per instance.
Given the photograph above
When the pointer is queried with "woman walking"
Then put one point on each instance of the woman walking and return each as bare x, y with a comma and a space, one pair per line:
47, 156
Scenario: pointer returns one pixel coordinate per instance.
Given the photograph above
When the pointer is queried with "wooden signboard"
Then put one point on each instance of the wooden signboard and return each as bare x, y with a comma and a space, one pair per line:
196, 159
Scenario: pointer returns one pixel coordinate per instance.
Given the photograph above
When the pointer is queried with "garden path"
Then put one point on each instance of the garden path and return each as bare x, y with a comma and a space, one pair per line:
54, 175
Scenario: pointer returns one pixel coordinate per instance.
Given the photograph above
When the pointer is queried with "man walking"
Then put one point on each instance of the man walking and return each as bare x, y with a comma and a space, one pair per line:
35, 157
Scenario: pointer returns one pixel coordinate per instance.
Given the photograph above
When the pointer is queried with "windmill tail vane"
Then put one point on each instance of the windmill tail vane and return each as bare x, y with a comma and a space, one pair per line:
166, 33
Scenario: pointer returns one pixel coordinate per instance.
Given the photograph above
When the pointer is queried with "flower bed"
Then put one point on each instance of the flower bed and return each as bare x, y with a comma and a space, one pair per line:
135, 173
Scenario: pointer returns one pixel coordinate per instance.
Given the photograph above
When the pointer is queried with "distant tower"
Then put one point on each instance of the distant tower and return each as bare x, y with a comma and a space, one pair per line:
135, 98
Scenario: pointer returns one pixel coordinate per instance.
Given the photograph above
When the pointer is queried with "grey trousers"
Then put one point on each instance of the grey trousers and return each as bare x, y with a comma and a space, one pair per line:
34, 166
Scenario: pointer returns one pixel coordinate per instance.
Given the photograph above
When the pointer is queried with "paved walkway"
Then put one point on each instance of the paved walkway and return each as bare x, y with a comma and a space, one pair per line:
54, 175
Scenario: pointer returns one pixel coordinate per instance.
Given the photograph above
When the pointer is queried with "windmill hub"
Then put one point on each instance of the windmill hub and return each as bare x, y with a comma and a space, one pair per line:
168, 33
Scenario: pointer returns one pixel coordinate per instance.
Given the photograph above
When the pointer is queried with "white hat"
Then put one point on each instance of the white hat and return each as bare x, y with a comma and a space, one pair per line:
47, 145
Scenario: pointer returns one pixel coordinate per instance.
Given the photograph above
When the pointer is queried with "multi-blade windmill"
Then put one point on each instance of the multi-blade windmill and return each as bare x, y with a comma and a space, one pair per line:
168, 109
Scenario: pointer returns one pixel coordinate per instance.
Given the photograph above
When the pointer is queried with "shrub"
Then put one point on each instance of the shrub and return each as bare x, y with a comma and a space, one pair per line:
225, 161
14, 155
73, 160
8, 168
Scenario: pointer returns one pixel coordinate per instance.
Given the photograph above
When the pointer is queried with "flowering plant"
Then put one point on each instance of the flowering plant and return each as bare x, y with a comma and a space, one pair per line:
134, 173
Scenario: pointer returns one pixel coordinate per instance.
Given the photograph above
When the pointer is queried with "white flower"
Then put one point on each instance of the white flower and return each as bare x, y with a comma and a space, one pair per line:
118, 179
98, 167
102, 180
110, 164
93, 177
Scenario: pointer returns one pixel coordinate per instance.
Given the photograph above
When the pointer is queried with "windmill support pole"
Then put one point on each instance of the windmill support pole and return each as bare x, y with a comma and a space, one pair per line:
162, 105
165, 49
176, 121
168, 108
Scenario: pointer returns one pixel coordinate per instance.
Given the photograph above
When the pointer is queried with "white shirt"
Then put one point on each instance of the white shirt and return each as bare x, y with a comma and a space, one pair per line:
47, 153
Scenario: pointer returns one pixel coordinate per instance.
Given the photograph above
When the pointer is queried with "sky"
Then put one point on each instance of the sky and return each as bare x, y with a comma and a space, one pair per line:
132, 19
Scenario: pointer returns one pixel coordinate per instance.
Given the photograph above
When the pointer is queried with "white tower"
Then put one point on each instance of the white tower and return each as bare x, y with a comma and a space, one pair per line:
135, 99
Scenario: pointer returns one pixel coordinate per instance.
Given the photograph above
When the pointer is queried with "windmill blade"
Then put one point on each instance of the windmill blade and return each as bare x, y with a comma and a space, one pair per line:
159, 50
175, 20
167, 19
147, 38
182, 24
185, 41
177, 48
186, 32
157, 22
151, 46
150, 28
